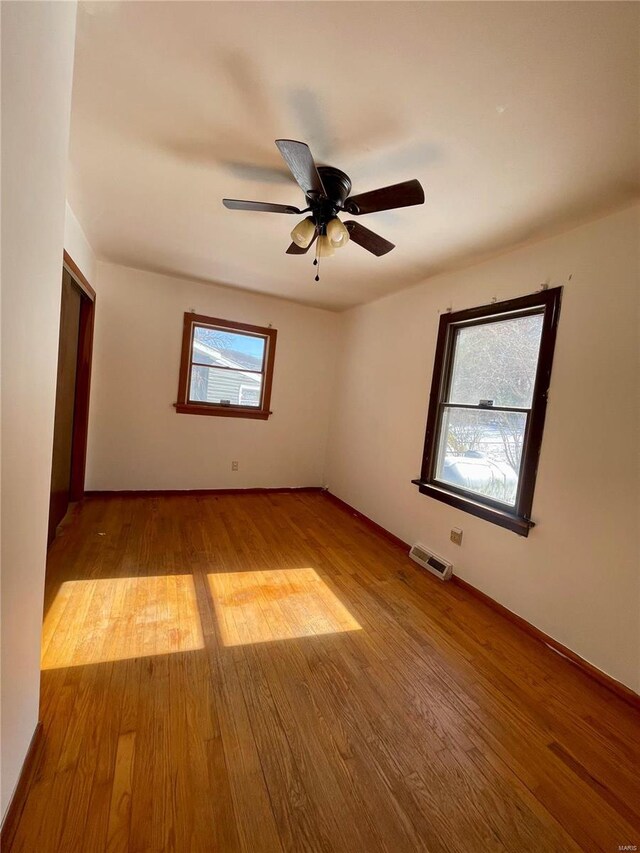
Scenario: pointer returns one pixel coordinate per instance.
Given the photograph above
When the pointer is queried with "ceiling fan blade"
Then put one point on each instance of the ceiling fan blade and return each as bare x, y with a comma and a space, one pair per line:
264, 206
369, 240
298, 157
386, 198
294, 249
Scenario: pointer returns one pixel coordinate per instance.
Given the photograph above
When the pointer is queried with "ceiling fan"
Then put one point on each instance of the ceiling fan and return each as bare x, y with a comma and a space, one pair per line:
326, 191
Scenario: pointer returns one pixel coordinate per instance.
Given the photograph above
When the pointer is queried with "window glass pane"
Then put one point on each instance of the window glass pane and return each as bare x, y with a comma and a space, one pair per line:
227, 348
216, 385
480, 450
496, 361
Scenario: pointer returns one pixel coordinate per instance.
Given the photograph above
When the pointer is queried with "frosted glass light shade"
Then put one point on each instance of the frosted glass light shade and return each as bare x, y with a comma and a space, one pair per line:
337, 233
325, 248
303, 233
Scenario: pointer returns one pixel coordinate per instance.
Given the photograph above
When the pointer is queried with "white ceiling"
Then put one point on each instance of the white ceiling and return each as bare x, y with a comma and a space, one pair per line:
519, 119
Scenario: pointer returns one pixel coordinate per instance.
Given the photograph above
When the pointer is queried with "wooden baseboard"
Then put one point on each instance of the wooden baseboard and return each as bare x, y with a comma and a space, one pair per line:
598, 675
620, 690
368, 521
171, 493
19, 798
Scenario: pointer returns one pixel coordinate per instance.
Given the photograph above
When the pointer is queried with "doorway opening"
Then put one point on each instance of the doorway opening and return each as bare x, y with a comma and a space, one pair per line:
75, 348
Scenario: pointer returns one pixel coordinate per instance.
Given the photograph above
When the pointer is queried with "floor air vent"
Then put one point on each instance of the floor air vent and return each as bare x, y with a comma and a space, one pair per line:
436, 565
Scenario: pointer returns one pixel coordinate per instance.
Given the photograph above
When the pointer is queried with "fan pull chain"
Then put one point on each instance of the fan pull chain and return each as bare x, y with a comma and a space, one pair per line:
316, 262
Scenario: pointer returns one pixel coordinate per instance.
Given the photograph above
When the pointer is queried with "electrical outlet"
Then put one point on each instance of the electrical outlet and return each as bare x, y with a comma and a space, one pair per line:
234, 465
456, 535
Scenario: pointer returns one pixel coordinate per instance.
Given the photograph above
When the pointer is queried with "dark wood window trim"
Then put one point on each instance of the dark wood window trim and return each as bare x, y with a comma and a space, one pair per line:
517, 519
187, 407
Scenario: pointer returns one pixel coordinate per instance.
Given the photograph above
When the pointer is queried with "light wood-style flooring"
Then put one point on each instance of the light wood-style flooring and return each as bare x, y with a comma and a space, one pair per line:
263, 672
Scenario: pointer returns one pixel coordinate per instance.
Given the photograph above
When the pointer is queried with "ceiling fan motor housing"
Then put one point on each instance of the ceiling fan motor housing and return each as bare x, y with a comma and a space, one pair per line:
337, 186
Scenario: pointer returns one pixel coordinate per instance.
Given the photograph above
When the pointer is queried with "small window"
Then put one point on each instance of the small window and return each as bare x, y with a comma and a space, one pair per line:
226, 368
487, 407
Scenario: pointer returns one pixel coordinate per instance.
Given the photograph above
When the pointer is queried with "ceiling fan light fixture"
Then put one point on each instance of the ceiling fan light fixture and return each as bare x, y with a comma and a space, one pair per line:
337, 233
325, 247
302, 234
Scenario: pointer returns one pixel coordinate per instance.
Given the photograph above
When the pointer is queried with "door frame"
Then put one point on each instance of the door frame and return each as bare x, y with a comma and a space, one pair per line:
83, 378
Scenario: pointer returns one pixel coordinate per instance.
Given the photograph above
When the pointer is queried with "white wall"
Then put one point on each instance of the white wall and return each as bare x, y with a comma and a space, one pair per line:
577, 575
77, 245
37, 62
136, 438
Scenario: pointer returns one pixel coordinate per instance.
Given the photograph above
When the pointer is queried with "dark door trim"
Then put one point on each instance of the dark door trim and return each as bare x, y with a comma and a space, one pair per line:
83, 379
78, 277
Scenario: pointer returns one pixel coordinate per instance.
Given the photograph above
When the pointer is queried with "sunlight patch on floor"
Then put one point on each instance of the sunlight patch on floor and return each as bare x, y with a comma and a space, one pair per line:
94, 621
259, 607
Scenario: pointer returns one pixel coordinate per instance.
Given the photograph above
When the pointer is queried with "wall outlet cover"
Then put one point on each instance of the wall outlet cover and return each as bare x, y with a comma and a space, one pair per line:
456, 535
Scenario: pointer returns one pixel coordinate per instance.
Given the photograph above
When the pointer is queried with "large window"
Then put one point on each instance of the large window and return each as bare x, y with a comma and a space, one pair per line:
487, 407
226, 368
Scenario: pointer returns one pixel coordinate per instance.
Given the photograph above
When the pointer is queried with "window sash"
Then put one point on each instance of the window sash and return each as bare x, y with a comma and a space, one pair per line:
233, 331
452, 339
225, 367
482, 408
503, 505
197, 402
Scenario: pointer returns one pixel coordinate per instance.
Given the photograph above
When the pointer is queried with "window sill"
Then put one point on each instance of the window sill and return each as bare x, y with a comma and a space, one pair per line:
221, 411
501, 517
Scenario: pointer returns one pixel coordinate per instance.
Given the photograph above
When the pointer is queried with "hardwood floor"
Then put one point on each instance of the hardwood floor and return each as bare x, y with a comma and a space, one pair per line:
264, 673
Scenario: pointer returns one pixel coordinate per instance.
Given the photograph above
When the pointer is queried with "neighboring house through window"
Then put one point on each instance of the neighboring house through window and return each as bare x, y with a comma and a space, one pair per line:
226, 368
487, 407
